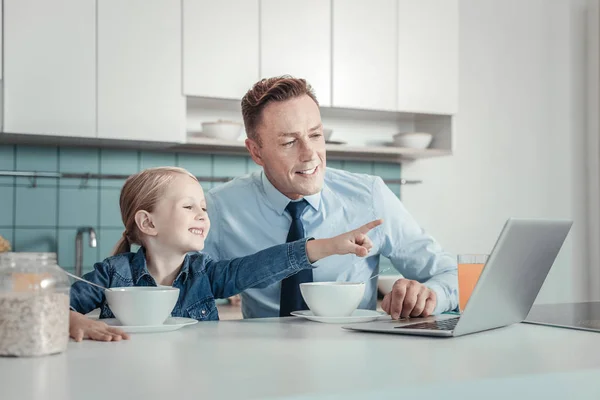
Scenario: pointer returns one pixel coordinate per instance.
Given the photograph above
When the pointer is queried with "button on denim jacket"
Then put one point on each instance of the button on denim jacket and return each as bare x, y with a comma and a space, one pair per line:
200, 281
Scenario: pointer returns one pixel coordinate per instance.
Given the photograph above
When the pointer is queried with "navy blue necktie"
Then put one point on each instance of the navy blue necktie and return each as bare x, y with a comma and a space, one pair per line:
291, 298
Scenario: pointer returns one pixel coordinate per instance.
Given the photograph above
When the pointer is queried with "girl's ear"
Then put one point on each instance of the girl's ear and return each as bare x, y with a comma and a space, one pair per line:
143, 220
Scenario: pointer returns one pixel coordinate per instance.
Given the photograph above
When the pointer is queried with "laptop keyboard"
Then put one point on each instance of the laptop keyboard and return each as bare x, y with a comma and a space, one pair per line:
442, 325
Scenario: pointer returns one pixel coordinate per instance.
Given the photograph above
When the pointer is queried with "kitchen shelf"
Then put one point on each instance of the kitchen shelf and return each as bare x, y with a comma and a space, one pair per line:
334, 151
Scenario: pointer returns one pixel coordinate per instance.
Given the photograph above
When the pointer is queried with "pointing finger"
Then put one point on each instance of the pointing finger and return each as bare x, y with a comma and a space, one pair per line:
367, 227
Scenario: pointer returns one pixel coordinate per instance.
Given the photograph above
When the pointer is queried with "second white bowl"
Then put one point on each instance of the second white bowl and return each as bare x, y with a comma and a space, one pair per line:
332, 299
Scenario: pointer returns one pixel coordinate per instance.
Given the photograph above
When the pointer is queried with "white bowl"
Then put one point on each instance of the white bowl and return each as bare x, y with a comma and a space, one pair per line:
385, 283
142, 305
413, 140
226, 130
332, 299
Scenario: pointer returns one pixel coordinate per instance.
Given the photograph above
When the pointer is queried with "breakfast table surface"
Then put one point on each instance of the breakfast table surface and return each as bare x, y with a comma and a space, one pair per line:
293, 358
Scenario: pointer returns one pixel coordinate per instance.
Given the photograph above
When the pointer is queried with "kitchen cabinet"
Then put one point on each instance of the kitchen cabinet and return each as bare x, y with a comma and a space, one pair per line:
428, 56
365, 54
1, 38
296, 40
220, 47
139, 71
49, 72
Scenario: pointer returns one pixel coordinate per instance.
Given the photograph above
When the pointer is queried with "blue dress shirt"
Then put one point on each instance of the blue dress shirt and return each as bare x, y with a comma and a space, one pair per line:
248, 214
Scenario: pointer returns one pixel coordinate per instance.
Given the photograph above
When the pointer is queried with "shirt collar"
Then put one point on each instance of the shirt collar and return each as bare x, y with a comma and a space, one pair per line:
279, 201
140, 267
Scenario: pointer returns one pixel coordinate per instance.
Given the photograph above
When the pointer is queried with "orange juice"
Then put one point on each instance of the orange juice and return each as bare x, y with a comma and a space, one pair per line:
469, 270
468, 274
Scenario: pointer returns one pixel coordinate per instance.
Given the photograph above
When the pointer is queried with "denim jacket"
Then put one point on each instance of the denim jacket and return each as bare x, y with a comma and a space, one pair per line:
200, 281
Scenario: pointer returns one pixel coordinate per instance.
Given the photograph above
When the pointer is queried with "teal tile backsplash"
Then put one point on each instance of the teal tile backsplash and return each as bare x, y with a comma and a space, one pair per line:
29, 158
155, 159
224, 166
76, 161
110, 213
36, 207
118, 162
78, 206
7, 163
197, 164
46, 217
360, 167
35, 240
7, 201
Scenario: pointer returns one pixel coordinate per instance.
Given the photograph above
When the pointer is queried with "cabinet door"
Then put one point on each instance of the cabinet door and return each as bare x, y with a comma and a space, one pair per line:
220, 47
1, 30
139, 70
50, 67
297, 43
365, 54
428, 56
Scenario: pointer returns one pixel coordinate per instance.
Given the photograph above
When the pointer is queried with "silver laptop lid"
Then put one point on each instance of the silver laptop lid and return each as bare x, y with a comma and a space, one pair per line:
514, 274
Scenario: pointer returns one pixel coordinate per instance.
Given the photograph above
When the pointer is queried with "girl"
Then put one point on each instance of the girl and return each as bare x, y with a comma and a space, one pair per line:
164, 211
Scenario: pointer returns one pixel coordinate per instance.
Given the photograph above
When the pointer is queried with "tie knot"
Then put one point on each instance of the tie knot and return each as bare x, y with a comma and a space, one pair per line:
295, 208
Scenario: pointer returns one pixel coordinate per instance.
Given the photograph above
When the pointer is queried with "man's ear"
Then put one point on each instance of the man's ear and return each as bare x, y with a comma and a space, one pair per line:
255, 151
143, 220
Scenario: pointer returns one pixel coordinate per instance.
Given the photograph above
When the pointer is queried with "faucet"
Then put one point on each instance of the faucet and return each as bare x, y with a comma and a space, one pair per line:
79, 246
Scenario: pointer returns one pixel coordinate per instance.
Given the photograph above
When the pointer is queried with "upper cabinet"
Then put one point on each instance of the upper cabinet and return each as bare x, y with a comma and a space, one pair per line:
295, 39
1, 40
50, 67
139, 71
220, 47
365, 54
428, 56
121, 70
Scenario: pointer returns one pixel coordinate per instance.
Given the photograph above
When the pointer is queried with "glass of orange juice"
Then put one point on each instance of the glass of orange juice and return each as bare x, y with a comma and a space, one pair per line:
469, 270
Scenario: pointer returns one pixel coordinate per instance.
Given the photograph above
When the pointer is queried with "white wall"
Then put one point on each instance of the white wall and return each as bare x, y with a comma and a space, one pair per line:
593, 146
520, 147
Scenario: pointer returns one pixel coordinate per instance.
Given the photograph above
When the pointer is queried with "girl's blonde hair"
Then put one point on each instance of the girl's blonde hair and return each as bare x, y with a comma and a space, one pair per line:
141, 192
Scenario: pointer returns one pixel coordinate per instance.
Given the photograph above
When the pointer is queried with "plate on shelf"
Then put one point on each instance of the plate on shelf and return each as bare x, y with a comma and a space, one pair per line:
335, 142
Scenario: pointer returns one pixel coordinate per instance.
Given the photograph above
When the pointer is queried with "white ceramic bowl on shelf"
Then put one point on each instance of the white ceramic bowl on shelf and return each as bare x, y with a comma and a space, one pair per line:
413, 140
225, 130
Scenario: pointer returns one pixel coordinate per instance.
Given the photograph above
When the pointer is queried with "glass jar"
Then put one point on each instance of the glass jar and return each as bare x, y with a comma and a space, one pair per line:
34, 305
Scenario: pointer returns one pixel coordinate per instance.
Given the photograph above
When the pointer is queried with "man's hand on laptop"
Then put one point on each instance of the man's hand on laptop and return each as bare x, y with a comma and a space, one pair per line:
409, 298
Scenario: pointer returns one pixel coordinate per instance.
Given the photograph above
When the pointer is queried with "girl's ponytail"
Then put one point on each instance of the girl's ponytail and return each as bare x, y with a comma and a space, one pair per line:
123, 245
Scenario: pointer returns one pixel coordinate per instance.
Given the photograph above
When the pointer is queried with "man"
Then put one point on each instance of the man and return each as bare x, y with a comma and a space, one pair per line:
296, 195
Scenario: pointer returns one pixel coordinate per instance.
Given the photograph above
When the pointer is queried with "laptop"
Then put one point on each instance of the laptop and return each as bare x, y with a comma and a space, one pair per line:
507, 287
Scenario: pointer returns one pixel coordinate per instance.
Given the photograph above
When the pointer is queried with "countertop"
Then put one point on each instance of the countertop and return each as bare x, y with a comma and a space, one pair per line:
278, 358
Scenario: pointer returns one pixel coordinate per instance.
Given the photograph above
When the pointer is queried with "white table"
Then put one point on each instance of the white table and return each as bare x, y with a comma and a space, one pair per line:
295, 358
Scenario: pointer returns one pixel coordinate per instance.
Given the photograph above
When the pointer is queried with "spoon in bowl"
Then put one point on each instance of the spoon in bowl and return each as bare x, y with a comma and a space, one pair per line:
375, 276
85, 280
367, 280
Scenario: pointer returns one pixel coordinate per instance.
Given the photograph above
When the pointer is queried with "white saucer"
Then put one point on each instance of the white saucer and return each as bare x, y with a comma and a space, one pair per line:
356, 317
171, 324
